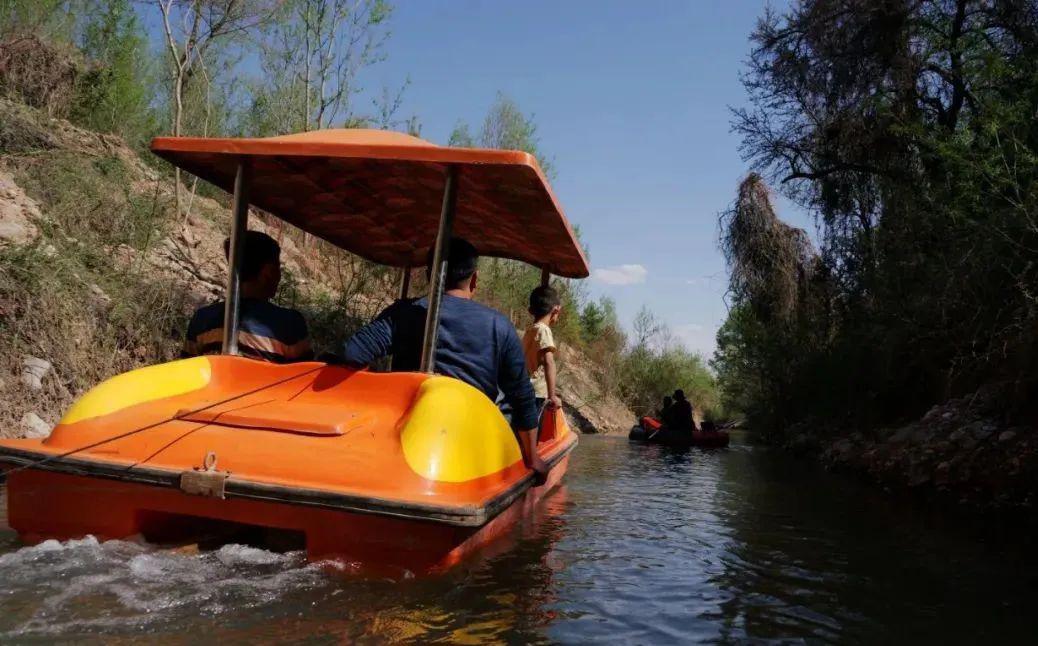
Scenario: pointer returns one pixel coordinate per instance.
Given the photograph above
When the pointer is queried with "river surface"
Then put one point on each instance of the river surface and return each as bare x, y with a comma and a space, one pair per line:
640, 545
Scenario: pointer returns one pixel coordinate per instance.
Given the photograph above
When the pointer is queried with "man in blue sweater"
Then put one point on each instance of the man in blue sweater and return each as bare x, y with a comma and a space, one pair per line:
475, 344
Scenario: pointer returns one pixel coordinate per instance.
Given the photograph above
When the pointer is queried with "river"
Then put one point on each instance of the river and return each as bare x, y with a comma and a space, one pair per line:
640, 545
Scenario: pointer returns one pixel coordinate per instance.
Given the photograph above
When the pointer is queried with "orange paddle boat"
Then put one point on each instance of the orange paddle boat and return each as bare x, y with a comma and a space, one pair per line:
398, 470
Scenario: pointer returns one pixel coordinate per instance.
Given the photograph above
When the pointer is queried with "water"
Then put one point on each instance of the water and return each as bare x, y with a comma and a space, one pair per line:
641, 545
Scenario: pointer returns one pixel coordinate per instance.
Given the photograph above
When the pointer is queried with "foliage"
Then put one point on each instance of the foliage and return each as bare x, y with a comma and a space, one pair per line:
115, 93
655, 365
82, 298
313, 56
598, 318
50, 19
352, 293
39, 74
507, 128
908, 129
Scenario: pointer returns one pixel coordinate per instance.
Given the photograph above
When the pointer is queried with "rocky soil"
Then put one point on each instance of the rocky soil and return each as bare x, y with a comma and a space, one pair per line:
961, 451
588, 407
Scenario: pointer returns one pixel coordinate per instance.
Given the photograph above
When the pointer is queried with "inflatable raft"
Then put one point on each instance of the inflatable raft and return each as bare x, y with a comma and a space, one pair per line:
387, 470
650, 430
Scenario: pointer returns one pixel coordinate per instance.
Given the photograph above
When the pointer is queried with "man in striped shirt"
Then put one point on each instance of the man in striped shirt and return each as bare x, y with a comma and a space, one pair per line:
266, 331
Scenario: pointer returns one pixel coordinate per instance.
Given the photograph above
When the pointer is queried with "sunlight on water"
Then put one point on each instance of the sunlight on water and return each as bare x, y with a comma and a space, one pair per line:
640, 545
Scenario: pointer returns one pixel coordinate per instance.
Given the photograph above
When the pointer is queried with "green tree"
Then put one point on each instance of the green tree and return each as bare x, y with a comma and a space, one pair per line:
908, 129
505, 127
656, 365
313, 57
49, 19
117, 92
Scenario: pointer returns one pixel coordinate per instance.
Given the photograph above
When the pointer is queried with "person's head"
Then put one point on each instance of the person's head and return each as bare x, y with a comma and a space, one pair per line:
260, 264
462, 265
545, 302
679, 395
667, 401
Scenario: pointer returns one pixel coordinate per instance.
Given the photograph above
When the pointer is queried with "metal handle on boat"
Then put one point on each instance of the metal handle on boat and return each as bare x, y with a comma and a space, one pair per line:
239, 226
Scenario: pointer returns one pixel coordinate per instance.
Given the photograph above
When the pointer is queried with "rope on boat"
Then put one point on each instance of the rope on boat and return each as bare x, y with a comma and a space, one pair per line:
178, 416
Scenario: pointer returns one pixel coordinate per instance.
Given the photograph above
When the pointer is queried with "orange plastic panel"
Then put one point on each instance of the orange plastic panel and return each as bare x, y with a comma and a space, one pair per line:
305, 419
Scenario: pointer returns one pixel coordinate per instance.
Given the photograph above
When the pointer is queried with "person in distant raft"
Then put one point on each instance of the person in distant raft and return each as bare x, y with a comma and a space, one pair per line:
539, 346
266, 331
664, 413
681, 413
475, 344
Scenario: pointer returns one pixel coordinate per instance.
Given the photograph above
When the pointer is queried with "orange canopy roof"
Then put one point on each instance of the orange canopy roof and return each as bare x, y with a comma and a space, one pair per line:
378, 194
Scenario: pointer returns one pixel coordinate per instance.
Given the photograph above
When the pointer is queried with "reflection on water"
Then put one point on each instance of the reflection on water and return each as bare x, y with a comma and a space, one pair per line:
641, 545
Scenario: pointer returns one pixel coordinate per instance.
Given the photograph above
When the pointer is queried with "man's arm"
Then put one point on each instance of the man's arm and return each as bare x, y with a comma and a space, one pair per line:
371, 342
514, 382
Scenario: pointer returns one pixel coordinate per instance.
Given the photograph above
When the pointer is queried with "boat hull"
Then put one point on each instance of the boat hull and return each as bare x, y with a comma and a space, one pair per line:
392, 470
45, 505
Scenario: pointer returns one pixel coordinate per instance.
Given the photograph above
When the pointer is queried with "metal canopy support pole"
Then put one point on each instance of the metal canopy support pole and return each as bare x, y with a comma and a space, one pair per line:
545, 276
439, 270
405, 281
239, 225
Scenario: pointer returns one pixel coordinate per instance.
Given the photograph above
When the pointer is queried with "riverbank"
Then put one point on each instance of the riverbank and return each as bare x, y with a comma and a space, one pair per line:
961, 452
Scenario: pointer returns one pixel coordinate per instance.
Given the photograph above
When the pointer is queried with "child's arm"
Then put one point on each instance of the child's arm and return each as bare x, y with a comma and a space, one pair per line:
548, 361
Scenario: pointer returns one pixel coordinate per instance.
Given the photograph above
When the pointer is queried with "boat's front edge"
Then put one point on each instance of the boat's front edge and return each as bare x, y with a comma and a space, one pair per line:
236, 487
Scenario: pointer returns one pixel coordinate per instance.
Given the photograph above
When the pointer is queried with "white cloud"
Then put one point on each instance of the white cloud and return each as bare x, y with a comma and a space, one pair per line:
621, 275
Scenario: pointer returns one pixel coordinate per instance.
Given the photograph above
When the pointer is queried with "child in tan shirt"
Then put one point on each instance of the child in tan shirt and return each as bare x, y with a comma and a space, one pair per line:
539, 345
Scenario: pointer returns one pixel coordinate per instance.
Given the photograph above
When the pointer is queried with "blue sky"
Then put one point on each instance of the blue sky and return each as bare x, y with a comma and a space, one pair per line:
632, 102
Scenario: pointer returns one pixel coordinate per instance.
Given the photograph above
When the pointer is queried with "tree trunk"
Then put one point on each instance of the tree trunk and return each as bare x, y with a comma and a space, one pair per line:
178, 112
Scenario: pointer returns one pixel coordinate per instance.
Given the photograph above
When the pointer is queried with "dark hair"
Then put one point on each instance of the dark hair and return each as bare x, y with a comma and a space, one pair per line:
543, 300
462, 261
258, 250
679, 394
667, 399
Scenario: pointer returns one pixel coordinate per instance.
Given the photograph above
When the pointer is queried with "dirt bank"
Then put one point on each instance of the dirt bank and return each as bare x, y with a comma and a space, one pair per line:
961, 452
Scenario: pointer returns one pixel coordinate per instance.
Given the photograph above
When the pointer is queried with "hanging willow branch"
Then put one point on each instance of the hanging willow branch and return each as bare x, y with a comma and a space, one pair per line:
770, 262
